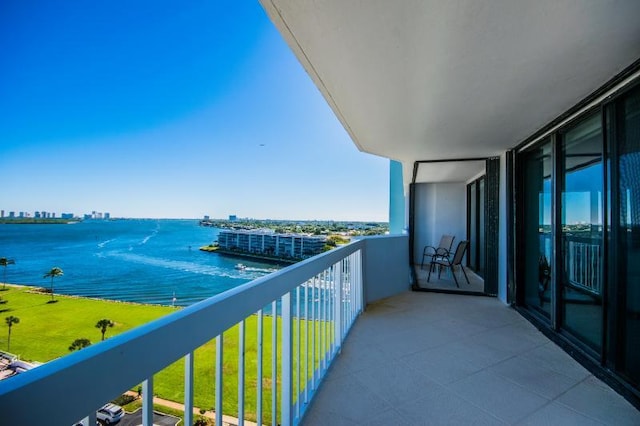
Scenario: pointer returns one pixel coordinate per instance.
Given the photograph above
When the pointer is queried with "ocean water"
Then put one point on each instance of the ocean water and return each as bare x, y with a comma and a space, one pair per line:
146, 261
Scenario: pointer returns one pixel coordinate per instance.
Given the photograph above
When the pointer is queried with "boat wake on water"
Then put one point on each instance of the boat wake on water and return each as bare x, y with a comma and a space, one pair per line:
185, 266
137, 260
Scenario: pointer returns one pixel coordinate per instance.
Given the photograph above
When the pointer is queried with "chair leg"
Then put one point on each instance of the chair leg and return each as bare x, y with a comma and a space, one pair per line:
430, 268
453, 272
423, 256
465, 274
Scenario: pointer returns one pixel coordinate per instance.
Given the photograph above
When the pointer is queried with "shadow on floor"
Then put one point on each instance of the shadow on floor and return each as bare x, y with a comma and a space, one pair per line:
446, 282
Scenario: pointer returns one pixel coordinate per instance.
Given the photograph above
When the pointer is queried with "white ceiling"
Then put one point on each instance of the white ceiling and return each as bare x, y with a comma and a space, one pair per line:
432, 79
450, 171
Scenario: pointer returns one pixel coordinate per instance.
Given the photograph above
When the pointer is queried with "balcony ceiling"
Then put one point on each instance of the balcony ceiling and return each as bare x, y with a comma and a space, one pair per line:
420, 80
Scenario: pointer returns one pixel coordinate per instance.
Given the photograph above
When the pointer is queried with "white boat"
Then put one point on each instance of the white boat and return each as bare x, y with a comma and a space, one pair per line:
240, 266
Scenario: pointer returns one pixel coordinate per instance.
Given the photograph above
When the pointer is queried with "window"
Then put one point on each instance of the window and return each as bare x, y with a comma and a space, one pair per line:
626, 232
581, 235
536, 231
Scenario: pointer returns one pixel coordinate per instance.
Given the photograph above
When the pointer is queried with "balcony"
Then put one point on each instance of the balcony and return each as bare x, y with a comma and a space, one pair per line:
315, 301
410, 358
428, 358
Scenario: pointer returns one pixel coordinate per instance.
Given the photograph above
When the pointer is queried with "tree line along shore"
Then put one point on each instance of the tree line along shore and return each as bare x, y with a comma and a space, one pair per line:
37, 221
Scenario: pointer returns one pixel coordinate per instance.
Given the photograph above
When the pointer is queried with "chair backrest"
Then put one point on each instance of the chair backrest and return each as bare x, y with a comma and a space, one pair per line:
462, 247
446, 242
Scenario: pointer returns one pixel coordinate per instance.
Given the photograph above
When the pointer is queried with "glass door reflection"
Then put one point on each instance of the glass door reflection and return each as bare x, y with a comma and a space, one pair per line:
581, 180
537, 228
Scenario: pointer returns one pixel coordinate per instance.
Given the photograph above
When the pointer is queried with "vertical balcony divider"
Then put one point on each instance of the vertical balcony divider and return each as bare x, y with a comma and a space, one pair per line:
241, 359
274, 363
188, 388
259, 372
298, 388
324, 286
287, 361
147, 402
219, 381
313, 333
335, 269
338, 307
306, 342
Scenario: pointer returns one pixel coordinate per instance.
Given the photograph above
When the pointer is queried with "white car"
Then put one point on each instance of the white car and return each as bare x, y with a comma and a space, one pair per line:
110, 413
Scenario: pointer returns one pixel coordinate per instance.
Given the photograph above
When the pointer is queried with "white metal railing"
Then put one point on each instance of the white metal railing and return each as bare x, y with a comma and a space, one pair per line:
316, 300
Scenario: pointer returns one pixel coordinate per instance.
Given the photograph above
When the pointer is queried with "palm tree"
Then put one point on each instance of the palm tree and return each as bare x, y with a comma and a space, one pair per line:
103, 324
54, 272
5, 262
10, 320
79, 344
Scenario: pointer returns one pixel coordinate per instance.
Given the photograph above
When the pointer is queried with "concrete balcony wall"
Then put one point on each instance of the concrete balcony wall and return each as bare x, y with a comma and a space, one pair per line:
397, 199
386, 267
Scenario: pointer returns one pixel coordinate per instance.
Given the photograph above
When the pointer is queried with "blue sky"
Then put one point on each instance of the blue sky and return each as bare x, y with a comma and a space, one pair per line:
167, 109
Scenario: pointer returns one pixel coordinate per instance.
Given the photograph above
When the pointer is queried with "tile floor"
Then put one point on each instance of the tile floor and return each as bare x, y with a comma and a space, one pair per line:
446, 282
432, 359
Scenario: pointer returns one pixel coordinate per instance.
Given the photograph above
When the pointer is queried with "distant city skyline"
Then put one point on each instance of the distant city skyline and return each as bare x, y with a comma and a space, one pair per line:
159, 110
8, 213
45, 214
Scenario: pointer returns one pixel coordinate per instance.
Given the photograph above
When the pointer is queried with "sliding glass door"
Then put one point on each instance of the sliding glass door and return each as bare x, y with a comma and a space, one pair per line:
577, 223
581, 218
536, 230
626, 224
476, 225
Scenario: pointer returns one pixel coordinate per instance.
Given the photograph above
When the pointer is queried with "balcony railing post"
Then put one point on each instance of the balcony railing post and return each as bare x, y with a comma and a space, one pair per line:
306, 342
360, 284
259, 366
338, 268
219, 375
188, 389
287, 361
241, 359
274, 363
147, 402
93, 418
298, 388
314, 327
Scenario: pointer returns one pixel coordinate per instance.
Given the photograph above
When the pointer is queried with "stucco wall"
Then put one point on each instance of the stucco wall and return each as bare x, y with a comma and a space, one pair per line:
386, 266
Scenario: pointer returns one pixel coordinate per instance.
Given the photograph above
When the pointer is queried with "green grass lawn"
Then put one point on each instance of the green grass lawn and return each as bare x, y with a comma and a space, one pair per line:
46, 330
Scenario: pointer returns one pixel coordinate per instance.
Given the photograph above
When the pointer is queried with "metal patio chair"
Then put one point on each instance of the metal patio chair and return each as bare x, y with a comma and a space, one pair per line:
443, 249
451, 263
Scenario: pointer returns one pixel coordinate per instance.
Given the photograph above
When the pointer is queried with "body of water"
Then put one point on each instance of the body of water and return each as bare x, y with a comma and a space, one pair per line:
146, 261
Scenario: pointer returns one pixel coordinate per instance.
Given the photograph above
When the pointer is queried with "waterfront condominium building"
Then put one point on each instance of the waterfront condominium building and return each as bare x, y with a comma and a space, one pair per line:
512, 126
267, 242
